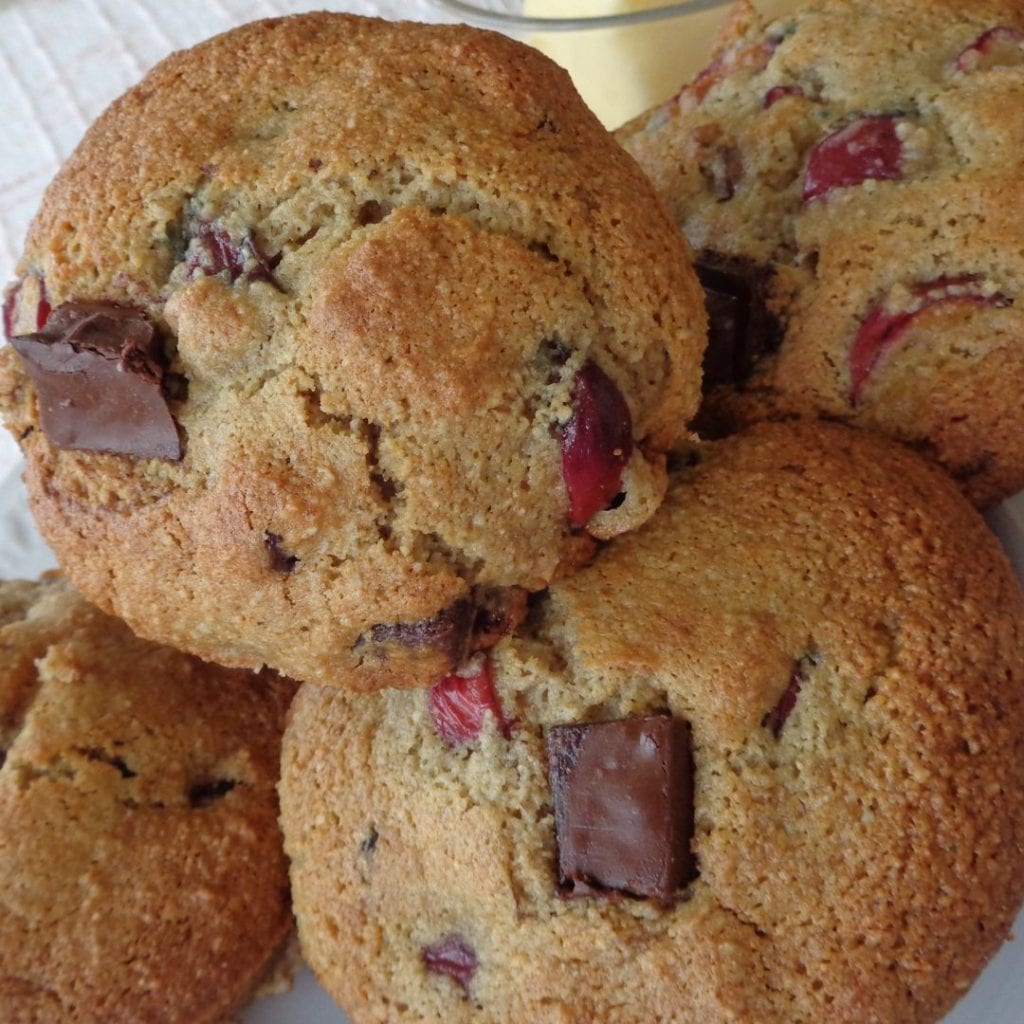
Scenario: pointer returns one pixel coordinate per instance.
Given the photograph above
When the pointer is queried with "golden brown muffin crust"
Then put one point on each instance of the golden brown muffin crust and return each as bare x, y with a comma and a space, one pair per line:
141, 868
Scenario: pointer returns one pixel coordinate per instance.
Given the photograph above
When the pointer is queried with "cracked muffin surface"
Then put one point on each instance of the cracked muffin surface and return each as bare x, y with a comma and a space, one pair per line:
142, 874
849, 177
829, 624
405, 331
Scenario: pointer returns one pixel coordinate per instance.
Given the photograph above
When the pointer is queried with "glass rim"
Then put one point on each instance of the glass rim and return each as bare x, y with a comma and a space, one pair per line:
502, 20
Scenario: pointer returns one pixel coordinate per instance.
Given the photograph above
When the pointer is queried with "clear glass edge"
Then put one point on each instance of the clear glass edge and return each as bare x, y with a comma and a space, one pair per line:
497, 19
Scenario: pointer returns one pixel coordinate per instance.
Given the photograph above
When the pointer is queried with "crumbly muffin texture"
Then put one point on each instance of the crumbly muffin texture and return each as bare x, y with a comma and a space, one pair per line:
422, 329
142, 873
844, 639
853, 169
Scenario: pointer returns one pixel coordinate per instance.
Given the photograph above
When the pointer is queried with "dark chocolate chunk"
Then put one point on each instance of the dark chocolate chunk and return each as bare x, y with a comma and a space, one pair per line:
453, 957
623, 796
372, 212
99, 370
369, 844
202, 794
776, 718
722, 172
280, 560
499, 610
104, 757
741, 329
448, 632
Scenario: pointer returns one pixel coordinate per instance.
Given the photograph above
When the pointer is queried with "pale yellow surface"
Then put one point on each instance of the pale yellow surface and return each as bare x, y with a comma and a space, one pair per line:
623, 71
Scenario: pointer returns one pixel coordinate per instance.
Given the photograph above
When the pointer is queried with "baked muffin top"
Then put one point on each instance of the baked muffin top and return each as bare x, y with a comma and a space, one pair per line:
760, 761
407, 332
849, 175
142, 874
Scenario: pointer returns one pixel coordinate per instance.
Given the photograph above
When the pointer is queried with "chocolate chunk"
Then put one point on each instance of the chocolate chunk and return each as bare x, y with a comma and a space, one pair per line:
741, 329
369, 844
104, 757
623, 796
499, 610
776, 718
99, 370
280, 560
453, 957
722, 172
448, 632
202, 794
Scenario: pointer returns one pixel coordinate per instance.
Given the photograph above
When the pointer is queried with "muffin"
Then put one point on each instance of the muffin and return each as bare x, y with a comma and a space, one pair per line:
849, 176
761, 761
335, 338
143, 874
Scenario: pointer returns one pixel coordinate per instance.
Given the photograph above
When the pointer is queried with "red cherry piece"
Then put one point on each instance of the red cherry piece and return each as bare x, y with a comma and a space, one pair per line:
780, 92
753, 57
458, 705
43, 308
883, 327
452, 957
999, 46
217, 251
596, 445
867, 148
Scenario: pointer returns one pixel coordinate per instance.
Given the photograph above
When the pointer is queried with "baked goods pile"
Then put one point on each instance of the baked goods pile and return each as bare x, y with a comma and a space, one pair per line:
360, 352
851, 170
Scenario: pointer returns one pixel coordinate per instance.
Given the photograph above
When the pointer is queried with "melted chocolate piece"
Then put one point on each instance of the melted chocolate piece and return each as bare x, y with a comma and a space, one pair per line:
776, 718
369, 844
280, 560
202, 794
741, 329
448, 632
99, 370
453, 957
499, 610
623, 796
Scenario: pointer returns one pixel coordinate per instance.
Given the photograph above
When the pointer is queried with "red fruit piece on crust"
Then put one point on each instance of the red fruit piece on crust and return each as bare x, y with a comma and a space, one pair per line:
216, 251
869, 148
458, 705
452, 957
43, 308
1000, 46
883, 327
752, 57
780, 92
596, 445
